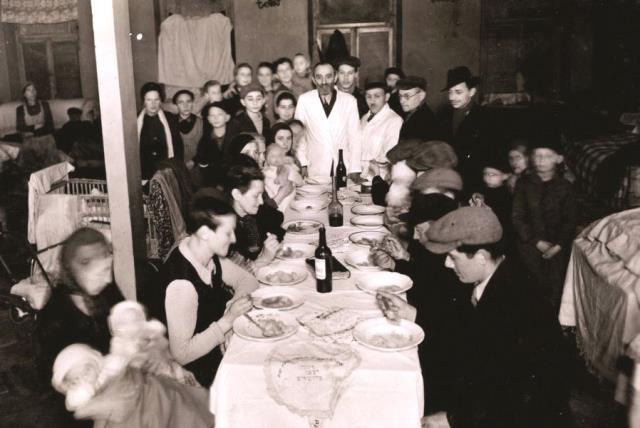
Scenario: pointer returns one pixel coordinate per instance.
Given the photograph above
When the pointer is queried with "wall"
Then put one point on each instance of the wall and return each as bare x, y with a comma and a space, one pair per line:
144, 42
86, 52
269, 33
437, 36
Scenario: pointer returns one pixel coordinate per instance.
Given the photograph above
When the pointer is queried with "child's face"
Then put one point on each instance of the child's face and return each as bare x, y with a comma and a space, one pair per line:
493, 178
92, 267
284, 139
392, 80
244, 76
284, 72
300, 64
217, 117
265, 76
253, 102
545, 160
214, 93
518, 161
285, 109
185, 104
275, 156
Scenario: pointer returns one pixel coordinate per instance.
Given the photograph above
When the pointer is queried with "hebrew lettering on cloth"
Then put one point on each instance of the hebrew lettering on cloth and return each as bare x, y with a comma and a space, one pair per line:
194, 50
38, 11
308, 378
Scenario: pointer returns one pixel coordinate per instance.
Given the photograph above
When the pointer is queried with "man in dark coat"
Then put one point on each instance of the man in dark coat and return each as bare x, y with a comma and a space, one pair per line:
463, 125
512, 361
419, 120
347, 68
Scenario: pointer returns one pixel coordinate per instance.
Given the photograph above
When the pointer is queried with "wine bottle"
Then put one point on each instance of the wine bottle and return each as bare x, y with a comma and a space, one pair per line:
341, 172
335, 207
323, 265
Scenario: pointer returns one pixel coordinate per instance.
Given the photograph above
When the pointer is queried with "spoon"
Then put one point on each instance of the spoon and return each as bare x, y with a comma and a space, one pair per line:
265, 333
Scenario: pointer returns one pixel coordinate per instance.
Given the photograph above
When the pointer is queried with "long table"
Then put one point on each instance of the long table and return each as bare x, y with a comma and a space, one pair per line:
385, 390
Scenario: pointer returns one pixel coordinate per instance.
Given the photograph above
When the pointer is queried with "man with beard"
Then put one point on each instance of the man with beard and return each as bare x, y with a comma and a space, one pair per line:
331, 122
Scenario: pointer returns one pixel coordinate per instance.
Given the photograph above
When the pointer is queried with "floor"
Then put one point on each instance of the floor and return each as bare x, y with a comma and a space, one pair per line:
28, 402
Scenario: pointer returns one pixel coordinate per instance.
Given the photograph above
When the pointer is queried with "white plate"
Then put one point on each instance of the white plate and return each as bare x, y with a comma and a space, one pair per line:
368, 221
360, 260
302, 227
382, 335
247, 330
295, 251
309, 205
313, 189
359, 238
368, 209
391, 282
268, 275
319, 179
278, 298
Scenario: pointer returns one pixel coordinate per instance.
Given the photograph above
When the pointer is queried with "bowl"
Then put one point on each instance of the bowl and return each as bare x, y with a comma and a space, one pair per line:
391, 282
367, 239
368, 221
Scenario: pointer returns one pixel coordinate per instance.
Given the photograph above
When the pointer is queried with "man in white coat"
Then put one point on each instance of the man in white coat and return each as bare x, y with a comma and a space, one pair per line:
331, 122
380, 128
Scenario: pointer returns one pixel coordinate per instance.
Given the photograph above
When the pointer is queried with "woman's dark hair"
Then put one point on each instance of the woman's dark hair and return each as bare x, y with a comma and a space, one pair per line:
26, 85
68, 284
265, 64
241, 170
206, 206
152, 86
182, 92
282, 60
271, 136
495, 250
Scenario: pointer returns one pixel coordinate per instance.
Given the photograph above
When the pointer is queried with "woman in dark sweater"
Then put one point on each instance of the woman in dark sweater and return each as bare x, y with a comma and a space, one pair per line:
33, 117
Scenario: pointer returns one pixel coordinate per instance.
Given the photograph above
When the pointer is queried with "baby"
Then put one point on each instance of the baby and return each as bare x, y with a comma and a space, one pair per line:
279, 168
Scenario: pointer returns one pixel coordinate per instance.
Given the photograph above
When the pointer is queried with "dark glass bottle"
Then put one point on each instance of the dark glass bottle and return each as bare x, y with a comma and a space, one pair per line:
341, 172
323, 265
335, 208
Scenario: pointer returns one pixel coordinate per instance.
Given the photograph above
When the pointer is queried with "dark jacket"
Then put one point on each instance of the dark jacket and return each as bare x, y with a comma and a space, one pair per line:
243, 123
363, 108
153, 143
544, 210
500, 200
394, 103
21, 125
420, 124
516, 367
471, 141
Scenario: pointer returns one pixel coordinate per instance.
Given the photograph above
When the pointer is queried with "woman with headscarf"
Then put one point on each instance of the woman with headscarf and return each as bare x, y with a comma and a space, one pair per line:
33, 117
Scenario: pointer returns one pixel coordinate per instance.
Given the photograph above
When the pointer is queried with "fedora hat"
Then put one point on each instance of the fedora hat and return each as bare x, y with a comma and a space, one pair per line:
458, 75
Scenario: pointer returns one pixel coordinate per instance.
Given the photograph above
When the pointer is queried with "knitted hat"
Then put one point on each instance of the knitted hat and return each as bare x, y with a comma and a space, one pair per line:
464, 226
411, 82
443, 178
433, 154
71, 357
251, 87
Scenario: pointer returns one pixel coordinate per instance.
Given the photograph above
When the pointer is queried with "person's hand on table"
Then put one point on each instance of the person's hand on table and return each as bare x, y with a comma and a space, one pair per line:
437, 420
355, 177
393, 246
394, 308
551, 252
382, 259
543, 246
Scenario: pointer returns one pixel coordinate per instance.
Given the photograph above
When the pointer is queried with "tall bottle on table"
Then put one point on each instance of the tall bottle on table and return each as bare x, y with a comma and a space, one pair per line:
334, 209
323, 264
341, 172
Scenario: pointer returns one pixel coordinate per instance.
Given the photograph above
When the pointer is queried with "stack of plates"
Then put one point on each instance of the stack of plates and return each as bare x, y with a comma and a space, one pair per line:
368, 221
368, 209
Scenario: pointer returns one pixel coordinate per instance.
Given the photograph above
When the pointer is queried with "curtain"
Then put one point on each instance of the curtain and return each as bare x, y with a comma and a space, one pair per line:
38, 11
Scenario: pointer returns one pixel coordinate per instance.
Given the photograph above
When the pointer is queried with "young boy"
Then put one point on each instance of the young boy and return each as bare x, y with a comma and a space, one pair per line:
265, 78
302, 73
243, 77
250, 119
544, 218
285, 106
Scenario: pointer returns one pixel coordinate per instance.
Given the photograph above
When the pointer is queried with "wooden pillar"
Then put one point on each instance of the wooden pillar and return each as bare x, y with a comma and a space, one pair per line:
121, 150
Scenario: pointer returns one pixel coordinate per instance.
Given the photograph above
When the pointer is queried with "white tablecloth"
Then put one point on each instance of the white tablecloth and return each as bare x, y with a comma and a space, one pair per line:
386, 390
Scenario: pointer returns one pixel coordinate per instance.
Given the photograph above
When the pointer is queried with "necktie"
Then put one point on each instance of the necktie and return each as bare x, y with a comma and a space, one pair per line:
370, 117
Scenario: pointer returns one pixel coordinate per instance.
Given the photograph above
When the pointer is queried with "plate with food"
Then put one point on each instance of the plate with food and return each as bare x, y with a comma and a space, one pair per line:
319, 179
361, 260
277, 297
313, 189
265, 325
383, 335
302, 227
368, 221
391, 282
368, 209
368, 239
295, 251
309, 205
282, 275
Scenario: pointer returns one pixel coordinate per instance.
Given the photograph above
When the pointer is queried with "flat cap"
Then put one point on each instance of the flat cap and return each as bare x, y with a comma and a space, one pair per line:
464, 226
251, 87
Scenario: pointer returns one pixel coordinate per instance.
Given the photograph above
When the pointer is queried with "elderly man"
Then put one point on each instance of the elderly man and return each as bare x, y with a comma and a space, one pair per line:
510, 353
331, 122
347, 69
380, 129
419, 121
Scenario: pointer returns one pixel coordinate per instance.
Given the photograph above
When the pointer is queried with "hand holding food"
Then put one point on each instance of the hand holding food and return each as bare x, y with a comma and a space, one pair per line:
239, 307
382, 259
394, 308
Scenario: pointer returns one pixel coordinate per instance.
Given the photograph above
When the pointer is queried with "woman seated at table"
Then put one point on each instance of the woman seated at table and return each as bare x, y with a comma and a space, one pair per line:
203, 292
258, 230
33, 117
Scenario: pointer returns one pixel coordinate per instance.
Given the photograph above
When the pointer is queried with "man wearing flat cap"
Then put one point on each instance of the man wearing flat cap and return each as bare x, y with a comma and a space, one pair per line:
347, 69
419, 120
511, 355
380, 128
462, 122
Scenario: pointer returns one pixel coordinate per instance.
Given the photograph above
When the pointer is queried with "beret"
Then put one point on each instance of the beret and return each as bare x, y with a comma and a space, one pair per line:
251, 87
445, 178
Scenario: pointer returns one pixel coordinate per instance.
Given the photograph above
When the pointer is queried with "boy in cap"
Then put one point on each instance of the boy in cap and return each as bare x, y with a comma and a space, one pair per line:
461, 121
250, 119
380, 128
391, 77
544, 218
419, 120
347, 69
510, 356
